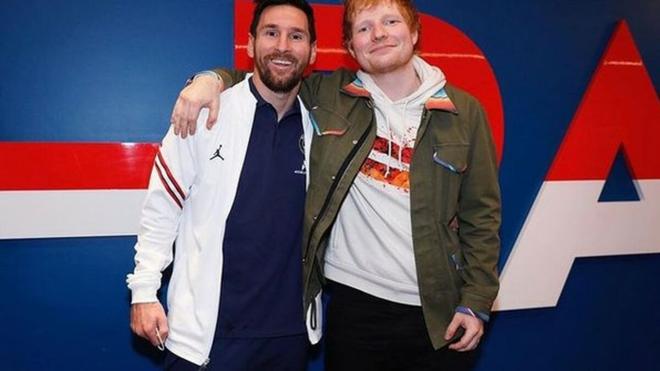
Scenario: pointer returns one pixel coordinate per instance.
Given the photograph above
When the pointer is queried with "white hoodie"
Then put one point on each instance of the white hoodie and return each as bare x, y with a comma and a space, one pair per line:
371, 246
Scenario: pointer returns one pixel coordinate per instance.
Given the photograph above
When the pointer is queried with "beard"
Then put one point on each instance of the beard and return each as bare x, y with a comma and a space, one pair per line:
280, 83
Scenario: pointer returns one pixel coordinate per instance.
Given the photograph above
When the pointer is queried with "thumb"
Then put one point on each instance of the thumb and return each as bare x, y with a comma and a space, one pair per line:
161, 322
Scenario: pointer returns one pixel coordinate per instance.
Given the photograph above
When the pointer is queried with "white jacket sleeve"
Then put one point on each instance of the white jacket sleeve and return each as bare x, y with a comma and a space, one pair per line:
172, 176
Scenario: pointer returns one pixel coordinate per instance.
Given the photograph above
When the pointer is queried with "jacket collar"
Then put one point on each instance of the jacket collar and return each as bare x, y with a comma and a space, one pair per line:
439, 101
356, 88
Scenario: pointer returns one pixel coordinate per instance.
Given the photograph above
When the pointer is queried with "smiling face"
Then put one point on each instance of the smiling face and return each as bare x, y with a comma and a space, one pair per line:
381, 38
281, 48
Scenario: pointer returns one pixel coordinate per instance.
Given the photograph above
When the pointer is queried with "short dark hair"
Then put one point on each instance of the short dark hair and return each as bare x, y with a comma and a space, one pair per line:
303, 5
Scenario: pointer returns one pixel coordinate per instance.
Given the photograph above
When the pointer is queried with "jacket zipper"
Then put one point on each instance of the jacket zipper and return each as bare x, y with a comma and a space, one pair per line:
342, 170
334, 185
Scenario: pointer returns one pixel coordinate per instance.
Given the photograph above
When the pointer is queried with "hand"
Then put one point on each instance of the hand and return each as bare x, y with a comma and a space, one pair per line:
203, 91
474, 329
146, 319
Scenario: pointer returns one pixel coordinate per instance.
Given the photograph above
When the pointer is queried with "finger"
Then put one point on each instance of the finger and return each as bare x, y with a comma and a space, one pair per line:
180, 117
179, 128
453, 326
465, 340
192, 126
192, 113
173, 122
183, 128
175, 118
163, 328
472, 345
151, 335
213, 113
461, 344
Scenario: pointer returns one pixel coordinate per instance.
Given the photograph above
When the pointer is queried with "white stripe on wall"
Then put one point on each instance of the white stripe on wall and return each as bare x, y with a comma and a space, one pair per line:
76, 213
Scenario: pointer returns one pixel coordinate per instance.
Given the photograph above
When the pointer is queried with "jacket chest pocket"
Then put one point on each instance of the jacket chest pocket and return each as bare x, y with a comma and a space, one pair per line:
451, 163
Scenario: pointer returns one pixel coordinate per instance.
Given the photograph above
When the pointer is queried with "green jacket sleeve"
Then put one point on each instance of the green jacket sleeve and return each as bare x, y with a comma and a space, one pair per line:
479, 218
230, 77
308, 90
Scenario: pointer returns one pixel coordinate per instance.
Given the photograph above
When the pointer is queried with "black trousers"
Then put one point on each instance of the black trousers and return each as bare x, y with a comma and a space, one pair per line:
366, 333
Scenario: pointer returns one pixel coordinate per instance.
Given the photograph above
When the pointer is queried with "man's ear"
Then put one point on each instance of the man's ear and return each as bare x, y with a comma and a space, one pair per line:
349, 47
250, 46
312, 56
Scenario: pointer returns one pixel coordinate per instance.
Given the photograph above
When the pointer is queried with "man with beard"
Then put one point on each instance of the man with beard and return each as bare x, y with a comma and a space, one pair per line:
232, 200
403, 211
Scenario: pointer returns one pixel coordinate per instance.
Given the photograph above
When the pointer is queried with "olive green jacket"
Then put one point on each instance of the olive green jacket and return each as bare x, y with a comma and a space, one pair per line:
453, 182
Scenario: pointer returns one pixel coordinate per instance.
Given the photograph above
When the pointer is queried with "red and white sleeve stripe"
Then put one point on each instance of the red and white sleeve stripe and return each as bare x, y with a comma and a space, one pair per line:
169, 181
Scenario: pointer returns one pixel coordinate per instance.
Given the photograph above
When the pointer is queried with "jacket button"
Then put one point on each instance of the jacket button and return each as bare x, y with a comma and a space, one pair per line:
315, 217
333, 177
354, 141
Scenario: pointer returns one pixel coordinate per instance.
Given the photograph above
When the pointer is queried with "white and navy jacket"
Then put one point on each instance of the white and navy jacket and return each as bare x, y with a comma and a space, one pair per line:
191, 191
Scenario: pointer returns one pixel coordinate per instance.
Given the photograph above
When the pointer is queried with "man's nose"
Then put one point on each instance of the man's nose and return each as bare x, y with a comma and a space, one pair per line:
283, 43
379, 32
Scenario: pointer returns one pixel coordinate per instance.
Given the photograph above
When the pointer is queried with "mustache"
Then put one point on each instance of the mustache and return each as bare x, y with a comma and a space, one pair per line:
283, 56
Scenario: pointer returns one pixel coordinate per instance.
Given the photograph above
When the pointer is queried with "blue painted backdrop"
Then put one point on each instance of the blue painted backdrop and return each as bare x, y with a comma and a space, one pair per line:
110, 71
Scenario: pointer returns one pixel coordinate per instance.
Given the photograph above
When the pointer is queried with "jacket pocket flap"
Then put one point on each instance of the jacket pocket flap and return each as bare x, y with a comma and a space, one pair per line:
452, 157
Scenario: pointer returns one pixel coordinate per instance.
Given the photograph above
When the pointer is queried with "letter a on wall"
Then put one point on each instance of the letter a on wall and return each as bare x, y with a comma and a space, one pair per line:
619, 117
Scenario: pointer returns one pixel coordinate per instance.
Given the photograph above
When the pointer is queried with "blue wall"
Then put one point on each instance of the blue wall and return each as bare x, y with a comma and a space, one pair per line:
110, 71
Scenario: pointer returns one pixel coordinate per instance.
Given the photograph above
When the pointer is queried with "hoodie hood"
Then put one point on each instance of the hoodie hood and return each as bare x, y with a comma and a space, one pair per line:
398, 120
